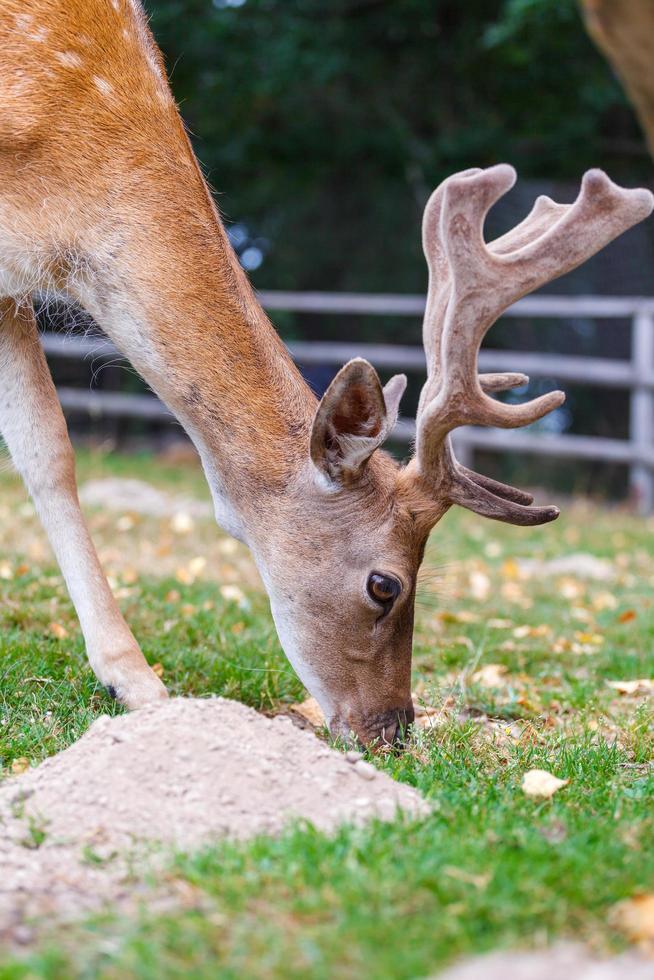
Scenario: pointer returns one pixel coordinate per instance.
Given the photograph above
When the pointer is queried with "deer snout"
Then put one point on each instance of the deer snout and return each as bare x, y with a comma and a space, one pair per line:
389, 727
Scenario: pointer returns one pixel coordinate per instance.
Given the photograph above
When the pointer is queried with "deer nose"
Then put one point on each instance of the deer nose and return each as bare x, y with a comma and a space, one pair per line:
392, 727
404, 721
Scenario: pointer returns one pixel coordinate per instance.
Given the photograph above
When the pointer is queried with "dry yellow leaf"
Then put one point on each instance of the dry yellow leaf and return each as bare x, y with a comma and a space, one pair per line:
491, 675
58, 631
511, 569
227, 546
594, 639
182, 523
232, 593
641, 686
20, 765
604, 600
480, 585
197, 565
634, 917
541, 784
479, 881
311, 711
158, 669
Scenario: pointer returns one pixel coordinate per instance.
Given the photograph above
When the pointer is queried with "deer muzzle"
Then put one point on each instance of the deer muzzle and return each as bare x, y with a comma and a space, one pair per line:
376, 730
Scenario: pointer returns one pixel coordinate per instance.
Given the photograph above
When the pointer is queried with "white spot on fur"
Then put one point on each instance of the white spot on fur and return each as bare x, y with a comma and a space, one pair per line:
69, 59
126, 34
23, 21
115, 4
40, 34
103, 85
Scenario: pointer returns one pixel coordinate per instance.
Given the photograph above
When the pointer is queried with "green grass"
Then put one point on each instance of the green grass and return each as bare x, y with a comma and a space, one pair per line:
489, 867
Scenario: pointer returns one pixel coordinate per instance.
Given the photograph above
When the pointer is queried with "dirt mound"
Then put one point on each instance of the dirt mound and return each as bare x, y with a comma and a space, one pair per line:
557, 963
176, 774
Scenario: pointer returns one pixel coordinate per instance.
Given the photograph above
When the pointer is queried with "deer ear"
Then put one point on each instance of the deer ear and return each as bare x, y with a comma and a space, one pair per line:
353, 419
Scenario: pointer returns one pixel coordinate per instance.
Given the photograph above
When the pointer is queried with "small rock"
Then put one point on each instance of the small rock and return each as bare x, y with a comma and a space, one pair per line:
365, 770
353, 756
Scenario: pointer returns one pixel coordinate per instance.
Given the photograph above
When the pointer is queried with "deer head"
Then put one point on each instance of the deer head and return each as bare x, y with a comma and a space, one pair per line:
341, 569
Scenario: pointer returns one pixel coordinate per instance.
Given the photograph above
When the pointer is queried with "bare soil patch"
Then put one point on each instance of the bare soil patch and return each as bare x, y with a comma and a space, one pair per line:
176, 775
562, 962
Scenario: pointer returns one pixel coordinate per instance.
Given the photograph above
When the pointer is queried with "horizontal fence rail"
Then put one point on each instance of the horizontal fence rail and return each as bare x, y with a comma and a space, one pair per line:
635, 375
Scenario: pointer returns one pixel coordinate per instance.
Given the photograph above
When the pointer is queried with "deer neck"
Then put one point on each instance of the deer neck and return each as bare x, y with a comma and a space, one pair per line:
176, 301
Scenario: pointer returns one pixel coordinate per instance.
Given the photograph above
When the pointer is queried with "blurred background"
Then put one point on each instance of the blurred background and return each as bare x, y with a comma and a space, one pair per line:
324, 125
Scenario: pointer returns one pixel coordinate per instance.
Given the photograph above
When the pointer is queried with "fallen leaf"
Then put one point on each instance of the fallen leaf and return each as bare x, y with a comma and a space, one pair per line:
594, 639
311, 711
641, 686
634, 917
520, 632
58, 631
480, 585
181, 523
479, 881
627, 616
20, 765
541, 784
511, 569
604, 600
490, 675
232, 593
197, 565
158, 669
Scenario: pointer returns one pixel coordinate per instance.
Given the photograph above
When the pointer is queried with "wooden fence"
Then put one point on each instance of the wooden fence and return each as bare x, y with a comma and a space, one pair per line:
635, 375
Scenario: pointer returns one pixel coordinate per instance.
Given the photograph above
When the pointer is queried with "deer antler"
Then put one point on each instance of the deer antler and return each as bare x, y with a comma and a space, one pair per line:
470, 284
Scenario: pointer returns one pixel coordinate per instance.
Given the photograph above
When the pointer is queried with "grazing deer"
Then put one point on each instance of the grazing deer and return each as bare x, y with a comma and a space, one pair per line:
102, 201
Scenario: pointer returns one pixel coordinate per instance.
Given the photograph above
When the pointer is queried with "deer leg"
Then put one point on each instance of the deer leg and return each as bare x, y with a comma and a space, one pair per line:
34, 429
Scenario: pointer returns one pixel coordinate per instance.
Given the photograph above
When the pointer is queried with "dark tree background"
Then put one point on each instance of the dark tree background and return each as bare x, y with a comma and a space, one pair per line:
324, 124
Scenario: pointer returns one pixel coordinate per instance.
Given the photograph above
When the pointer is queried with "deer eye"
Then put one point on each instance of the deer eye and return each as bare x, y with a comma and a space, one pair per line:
383, 589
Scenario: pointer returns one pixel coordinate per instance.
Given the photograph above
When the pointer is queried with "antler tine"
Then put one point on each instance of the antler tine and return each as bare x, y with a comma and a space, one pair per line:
539, 219
435, 253
470, 285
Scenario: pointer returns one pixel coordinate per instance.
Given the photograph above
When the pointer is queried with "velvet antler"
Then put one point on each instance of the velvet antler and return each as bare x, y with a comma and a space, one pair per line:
470, 284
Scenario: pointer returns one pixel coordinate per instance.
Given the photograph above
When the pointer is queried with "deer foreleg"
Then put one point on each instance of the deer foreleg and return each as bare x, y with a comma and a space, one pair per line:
35, 432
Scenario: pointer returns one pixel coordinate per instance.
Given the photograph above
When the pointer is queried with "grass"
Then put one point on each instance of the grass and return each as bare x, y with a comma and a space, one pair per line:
490, 867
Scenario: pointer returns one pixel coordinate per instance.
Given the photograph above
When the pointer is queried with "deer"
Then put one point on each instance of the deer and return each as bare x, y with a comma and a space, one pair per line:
103, 202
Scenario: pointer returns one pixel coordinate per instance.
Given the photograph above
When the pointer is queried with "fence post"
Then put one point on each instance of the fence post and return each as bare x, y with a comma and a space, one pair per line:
641, 427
